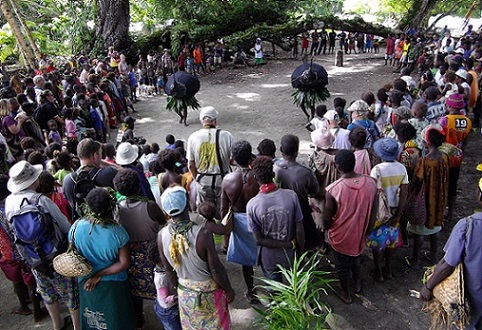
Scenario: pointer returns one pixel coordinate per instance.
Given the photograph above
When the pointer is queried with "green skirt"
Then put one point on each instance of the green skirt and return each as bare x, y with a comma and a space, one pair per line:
108, 306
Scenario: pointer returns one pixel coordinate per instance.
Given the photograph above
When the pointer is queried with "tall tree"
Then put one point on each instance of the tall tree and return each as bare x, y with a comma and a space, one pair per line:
112, 24
25, 47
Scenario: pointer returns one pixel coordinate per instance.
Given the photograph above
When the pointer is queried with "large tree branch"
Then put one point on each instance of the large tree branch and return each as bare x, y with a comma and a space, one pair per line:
445, 14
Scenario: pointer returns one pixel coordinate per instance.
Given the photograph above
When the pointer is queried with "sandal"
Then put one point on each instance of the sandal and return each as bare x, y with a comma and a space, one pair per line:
346, 300
410, 265
427, 257
251, 297
20, 311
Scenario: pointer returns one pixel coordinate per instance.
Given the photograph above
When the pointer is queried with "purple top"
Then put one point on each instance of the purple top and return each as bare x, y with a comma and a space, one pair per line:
467, 247
9, 121
54, 136
274, 215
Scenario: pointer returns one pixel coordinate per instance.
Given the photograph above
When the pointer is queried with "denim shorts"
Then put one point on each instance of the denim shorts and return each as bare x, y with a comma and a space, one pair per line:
169, 317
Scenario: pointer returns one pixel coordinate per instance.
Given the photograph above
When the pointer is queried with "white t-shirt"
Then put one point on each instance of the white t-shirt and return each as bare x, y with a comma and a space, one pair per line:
319, 123
341, 138
201, 148
393, 174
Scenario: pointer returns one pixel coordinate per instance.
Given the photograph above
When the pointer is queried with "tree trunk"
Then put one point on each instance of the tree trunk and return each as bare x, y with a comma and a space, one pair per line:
26, 30
417, 16
11, 20
112, 24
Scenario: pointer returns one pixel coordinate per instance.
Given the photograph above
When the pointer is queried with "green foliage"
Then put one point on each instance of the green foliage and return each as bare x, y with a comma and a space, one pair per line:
310, 98
179, 105
297, 305
8, 43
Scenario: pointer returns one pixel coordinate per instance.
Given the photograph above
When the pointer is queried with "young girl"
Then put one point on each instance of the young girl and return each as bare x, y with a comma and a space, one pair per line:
47, 188
393, 179
70, 129
419, 122
450, 85
53, 135
165, 305
64, 163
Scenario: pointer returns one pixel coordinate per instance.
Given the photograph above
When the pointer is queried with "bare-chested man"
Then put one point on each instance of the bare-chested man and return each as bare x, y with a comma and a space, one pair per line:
238, 188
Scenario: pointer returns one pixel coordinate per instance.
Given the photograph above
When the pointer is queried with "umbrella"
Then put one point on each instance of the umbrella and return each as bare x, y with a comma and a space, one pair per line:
182, 84
309, 76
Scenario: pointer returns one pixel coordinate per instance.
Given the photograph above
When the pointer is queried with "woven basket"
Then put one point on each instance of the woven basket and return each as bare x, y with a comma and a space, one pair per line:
449, 307
72, 264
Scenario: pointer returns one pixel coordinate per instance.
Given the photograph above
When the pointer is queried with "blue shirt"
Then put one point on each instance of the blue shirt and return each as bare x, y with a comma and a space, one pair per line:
100, 245
464, 245
96, 120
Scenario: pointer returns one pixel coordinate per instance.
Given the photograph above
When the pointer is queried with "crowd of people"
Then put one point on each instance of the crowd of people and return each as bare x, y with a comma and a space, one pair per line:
144, 215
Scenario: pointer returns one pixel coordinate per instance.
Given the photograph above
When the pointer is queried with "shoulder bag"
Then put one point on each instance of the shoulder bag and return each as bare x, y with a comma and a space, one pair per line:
72, 263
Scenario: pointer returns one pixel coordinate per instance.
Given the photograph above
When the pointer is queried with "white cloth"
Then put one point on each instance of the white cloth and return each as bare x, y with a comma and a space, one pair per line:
341, 138
201, 148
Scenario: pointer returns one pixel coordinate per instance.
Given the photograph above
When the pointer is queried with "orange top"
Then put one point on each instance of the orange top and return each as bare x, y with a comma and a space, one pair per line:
198, 56
457, 129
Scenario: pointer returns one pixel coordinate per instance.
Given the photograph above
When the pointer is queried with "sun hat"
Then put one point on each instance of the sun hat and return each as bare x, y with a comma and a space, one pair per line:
386, 148
174, 200
322, 138
358, 106
403, 112
126, 153
23, 175
208, 113
461, 73
332, 115
455, 101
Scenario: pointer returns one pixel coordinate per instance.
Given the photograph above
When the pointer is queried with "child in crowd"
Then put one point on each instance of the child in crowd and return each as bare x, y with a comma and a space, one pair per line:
64, 163
419, 122
70, 129
47, 188
53, 134
189, 64
450, 85
170, 140
207, 212
340, 104
109, 152
165, 305
318, 121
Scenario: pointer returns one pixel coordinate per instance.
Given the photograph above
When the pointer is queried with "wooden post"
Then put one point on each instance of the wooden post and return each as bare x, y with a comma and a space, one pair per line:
339, 58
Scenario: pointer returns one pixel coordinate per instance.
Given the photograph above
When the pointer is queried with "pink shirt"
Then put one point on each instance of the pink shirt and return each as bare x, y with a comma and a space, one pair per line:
70, 129
353, 196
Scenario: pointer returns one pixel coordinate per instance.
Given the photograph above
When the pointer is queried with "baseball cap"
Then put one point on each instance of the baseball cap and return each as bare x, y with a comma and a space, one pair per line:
331, 115
208, 113
174, 200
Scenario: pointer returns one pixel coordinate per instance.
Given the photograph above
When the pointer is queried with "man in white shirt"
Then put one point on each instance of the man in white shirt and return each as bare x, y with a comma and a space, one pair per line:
340, 134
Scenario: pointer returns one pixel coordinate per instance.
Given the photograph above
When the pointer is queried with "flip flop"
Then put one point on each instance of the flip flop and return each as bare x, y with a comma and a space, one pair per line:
20, 311
344, 299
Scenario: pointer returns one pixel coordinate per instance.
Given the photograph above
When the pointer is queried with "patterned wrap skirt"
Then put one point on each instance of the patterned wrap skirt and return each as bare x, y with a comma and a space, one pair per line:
203, 305
141, 271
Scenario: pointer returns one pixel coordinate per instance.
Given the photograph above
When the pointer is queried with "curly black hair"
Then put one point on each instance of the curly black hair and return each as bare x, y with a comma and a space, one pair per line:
46, 183
357, 137
36, 158
208, 210
405, 131
64, 159
127, 182
263, 169
289, 144
267, 148
241, 152
168, 159
345, 160
99, 201
436, 138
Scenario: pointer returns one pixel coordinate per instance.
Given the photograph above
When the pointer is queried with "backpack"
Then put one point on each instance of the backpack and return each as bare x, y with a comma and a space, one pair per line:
370, 131
37, 235
84, 182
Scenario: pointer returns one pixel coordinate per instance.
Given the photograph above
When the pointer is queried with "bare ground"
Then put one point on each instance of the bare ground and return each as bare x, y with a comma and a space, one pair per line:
255, 104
